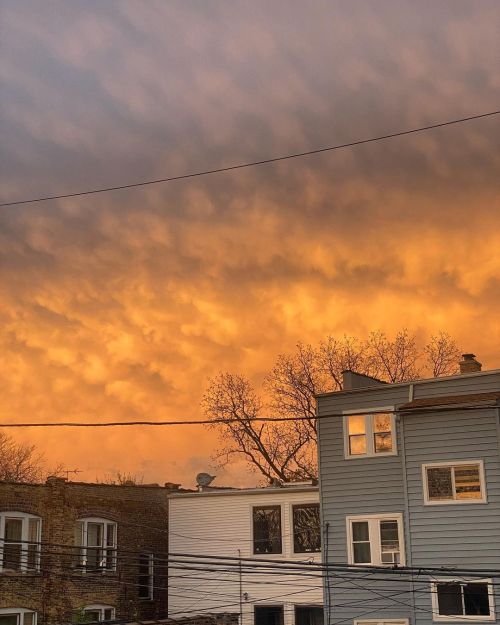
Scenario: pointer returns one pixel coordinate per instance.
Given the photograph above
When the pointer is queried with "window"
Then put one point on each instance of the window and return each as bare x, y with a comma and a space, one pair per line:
146, 565
308, 615
20, 536
17, 616
267, 529
470, 600
369, 434
306, 528
454, 482
95, 540
269, 615
95, 614
376, 539
382, 622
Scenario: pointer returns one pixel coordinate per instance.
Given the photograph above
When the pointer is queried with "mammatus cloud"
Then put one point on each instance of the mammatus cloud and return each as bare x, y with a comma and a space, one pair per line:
121, 306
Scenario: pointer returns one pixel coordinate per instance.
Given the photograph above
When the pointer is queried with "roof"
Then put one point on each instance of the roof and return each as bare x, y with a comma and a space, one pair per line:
247, 491
452, 400
384, 387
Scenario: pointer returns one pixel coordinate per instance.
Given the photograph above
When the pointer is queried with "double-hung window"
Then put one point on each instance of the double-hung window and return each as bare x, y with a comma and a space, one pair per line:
369, 434
17, 616
376, 539
459, 599
20, 536
454, 482
95, 541
306, 528
267, 529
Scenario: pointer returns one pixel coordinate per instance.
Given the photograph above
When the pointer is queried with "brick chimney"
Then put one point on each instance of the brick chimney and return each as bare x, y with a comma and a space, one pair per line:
469, 364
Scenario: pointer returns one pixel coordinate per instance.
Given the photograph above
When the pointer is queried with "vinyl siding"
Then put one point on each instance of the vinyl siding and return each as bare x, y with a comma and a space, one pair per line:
465, 535
221, 525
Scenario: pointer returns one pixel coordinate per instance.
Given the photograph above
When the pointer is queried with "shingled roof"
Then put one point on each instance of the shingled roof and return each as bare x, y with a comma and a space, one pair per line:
451, 400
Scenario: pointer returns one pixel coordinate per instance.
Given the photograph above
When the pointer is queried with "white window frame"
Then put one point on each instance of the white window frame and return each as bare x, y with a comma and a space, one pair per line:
369, 413
82, 555
441, 617
382, 621
25, 518
373, 521
19, 612
454, 501
100, 607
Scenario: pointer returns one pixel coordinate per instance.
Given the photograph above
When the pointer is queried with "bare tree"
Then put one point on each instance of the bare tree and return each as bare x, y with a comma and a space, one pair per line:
394, 360
22, 463
287, 450
276, 450
347, 353
442, 355
117, 478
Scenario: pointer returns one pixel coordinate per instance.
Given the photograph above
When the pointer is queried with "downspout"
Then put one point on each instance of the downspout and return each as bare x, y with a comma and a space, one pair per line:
407, 525
241, 587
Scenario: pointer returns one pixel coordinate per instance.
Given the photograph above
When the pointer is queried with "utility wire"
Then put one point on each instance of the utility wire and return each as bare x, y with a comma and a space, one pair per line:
79, 424
266, 161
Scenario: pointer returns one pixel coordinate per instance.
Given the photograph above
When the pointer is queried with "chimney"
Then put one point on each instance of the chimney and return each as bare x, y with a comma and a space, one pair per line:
469, 364
352, 380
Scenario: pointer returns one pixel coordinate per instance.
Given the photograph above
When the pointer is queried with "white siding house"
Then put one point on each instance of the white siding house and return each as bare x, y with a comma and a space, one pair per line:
265, 524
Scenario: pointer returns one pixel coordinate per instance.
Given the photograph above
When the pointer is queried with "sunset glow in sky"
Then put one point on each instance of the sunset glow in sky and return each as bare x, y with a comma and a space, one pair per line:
120, 306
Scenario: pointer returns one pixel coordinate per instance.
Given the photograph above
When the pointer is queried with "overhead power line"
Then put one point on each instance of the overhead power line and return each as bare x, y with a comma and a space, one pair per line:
265, 161
222, 421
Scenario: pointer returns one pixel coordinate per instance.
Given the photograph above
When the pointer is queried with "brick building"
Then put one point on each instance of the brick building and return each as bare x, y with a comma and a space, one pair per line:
78, 552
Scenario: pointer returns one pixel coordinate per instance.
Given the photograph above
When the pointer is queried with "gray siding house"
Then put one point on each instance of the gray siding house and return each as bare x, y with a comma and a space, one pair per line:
410, 476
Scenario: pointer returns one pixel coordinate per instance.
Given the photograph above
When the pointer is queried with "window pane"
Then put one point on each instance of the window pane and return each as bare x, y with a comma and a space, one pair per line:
91, 615
12, 556
362, 553
29, 618
383, 442
144, 579
467, 482
356, 424
382, 422
389, 536
308, 615
94, 534
357, 445
110, 537
33, 526
9, 619
13, 529
267, 529
269, 615
360, 530
476, 599
108, 614
306, 528
449, 599
439, 483
94, 558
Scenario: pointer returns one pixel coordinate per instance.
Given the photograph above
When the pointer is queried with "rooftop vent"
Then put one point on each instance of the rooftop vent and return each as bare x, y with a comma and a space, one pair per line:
469, 364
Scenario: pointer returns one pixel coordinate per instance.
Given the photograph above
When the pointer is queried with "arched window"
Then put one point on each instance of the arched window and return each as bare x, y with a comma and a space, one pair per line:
95, 540
96, 613
20, 536
17, 616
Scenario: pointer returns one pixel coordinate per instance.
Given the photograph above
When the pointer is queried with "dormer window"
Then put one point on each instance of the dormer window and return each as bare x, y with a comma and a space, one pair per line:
20, 536
369, 435
95, 540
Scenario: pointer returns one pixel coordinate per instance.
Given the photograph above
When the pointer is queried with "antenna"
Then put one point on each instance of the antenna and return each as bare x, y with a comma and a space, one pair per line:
204, 479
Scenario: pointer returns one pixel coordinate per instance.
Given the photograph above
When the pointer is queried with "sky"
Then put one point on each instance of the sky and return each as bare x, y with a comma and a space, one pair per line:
123, 305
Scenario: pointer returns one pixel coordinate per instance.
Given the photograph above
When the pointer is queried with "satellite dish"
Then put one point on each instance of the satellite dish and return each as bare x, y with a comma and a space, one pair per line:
204, 479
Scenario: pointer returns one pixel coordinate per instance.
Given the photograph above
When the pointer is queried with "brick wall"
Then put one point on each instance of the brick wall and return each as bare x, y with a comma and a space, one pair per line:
57, 590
